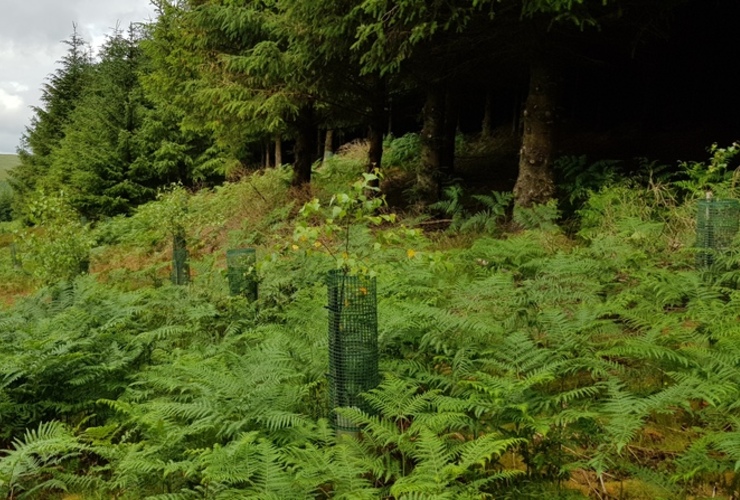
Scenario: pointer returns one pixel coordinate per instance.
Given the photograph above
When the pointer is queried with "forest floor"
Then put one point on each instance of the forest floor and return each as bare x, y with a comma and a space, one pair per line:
597, 363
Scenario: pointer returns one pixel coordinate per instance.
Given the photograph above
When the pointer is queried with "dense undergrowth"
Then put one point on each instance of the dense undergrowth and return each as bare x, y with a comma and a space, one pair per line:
519, 359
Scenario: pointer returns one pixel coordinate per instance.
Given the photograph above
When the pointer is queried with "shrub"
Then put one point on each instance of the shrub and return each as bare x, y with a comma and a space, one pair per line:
58, 245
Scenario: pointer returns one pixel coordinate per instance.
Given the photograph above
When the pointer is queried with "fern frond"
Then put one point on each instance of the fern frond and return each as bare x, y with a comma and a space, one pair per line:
36, 455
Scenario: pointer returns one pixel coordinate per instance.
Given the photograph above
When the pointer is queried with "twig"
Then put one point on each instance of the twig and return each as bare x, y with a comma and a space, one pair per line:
651, 450
601, 480
334, 256
257, 191
429, 222
589, 485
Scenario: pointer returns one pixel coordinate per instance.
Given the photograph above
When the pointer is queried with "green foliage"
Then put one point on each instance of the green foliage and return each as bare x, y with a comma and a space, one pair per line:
104, 139
518, 361
58, 245
516, 364
171, 213
176, 151
487, 220
715, 175
402, 151
60, 96
578, 180
155, 223
32, 466
98, 160
6, 202
424, 433
542, 216
64, 349
355, 209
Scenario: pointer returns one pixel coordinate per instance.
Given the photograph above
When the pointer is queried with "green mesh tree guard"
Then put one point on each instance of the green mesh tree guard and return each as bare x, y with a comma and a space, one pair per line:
242, 272
180, 266
353, 342
716, 225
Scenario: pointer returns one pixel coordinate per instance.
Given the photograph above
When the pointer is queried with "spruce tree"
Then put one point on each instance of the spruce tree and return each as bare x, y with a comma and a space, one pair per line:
60, 95
95, 159
174, 147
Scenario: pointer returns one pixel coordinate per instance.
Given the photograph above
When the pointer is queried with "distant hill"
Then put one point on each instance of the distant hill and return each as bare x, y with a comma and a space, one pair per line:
6, 163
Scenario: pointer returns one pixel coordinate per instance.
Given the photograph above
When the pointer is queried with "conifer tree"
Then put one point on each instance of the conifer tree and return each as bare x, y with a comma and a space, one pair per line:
246, 82
97, 159
175, 146
442, 44
324, 31
60, 95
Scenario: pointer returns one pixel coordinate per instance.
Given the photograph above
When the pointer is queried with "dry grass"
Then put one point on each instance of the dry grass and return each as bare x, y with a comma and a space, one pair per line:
355, 150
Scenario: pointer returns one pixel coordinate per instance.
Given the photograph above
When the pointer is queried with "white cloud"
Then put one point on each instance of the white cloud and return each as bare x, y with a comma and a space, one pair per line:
15, 86
9, 102
31, 35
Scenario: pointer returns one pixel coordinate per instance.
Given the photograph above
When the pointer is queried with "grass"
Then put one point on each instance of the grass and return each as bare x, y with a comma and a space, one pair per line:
7, 162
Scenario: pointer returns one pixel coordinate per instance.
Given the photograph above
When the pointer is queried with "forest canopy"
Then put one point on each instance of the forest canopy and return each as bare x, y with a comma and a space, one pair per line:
211, 89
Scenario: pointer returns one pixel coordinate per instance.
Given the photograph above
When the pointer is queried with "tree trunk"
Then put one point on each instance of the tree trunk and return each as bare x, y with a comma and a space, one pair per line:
375, 149
516, 115
266, 149
447, 165
305, 146
375, 142
329, 144
375, 129
487, 125
278, 151
428, 183
536, 183
389, 130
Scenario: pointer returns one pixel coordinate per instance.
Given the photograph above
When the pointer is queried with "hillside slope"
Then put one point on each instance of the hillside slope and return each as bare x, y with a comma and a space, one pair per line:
516, 360
7, 162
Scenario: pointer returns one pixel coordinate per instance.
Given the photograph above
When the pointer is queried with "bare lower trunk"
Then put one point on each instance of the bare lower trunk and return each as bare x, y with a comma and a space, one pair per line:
329, 144
375, 129
305, 146
447, 165
266, 149
375, 147
389, 130
535, 183
278, 151
516, 116
428, 179
375, 150
487, 125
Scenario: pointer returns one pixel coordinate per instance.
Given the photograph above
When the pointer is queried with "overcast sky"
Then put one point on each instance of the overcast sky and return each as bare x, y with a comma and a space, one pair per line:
31, 35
